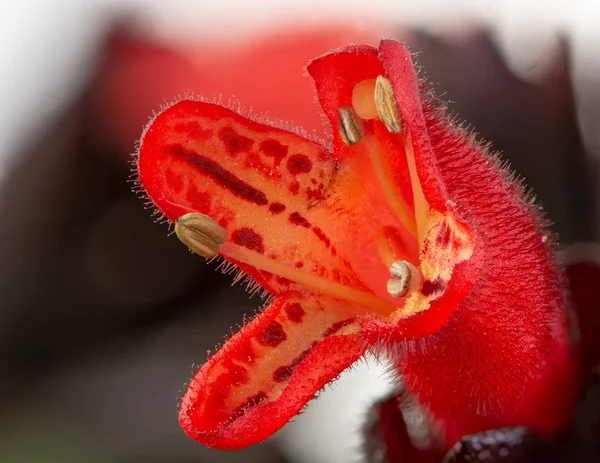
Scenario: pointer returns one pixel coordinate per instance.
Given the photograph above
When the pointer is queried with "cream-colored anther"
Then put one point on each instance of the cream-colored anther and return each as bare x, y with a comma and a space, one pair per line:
387, 108
406, 278
349, 128
200, 233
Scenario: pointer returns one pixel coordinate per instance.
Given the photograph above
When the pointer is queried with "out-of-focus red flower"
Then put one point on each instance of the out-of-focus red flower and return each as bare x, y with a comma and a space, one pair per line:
263, 72
399, 232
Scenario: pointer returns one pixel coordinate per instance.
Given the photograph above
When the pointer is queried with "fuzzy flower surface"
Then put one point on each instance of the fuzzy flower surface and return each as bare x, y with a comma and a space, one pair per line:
399, 233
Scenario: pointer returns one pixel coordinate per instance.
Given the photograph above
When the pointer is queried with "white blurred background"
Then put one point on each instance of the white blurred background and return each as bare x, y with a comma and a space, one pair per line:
114, 401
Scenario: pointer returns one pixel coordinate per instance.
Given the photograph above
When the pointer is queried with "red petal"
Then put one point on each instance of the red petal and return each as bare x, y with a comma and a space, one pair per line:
265, 374
503, 358
257, 181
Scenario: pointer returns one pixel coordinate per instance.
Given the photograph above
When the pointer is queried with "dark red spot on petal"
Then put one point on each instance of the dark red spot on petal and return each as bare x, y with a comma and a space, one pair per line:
276, 208
285, 372
337, 326
220, 175
174, 181
299, 264
317, 231
283, 281
249, 239
294, 187
443, 237
431, 288
238, 375
266, 275
273, 335
251, 401
299, 164
234, 142
274, 149
245, 352
282, 374
194, 130
297, 219
199, 200
294, 312
254, 161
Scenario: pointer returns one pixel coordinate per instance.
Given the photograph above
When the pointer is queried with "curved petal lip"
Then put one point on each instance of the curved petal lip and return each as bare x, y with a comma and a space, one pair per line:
262, 419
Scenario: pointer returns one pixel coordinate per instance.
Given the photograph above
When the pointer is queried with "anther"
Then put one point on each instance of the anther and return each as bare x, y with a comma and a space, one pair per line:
406, 278
387, 108
200, 233
349, 128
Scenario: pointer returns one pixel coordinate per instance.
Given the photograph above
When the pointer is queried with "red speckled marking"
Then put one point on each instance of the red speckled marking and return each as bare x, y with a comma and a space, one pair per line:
239, 375
274, 149
294, 312
250, 402
337, 326
276, 208
297, 219
199, 200
443, 237
299, 264
222, 176
234, 142
273, 335
245, 352
283, 281
194, 130
294, 187
255, 162
311, 194
317, 231
337, 276
249, 239
174, 181
433, 287
299, 164
285, 372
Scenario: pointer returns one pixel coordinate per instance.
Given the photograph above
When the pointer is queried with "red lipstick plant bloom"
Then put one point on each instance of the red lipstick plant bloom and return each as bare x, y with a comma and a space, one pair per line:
400, 233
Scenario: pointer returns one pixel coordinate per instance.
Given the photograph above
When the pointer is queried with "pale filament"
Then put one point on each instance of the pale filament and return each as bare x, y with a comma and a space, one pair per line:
260, 262
388, 186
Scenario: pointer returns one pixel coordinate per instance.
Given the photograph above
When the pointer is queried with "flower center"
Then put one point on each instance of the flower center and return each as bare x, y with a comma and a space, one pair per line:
416, 246
374, 99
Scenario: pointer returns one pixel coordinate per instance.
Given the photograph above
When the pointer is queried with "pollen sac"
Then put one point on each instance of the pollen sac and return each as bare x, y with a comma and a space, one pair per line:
406, 278
387, 108
349, 128
200, 233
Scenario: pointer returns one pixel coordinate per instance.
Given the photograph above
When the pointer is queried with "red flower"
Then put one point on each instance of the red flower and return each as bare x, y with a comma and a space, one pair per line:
399, 233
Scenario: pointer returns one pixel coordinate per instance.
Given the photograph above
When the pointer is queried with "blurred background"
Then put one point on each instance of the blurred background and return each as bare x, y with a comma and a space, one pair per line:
102, 314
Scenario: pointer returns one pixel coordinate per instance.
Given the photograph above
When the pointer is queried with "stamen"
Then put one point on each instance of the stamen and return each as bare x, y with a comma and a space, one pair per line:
260, 262
406, 279
384, 250
200, 233
386, 105
349, 128
392, 194
390, 246
420, 203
